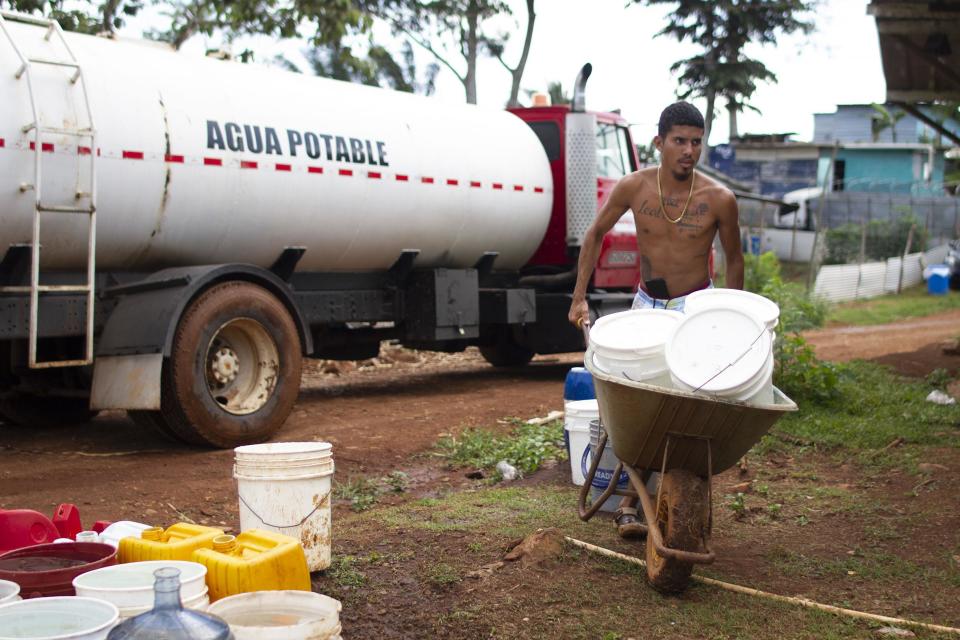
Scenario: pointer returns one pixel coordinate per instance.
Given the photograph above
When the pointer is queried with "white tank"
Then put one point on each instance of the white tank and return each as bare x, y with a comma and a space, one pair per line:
203, 161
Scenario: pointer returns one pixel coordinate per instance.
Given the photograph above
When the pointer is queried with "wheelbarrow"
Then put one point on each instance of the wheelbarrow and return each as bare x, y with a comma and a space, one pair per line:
687, 438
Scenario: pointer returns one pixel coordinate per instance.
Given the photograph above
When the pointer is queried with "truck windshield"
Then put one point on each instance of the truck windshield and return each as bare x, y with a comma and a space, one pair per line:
613, 151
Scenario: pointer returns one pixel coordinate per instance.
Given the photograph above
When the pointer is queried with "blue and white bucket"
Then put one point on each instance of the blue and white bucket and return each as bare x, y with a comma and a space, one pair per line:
604, 475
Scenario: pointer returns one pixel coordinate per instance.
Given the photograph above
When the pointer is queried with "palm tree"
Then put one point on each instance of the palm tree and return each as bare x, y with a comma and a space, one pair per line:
883, 119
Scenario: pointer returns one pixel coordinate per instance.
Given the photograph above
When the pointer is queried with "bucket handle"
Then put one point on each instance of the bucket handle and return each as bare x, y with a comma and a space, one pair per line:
284, 526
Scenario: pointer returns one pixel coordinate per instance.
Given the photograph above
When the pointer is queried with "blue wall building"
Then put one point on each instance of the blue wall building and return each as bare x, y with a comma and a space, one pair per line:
907, 158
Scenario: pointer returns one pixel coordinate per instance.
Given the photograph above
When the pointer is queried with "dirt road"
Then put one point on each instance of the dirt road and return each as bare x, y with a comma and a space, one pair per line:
379, 416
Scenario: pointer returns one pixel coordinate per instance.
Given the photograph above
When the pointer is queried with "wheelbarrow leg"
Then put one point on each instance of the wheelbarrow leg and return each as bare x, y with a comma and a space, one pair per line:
585, 512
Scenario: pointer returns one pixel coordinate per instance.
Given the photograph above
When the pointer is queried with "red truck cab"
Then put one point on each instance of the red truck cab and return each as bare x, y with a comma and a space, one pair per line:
618, 266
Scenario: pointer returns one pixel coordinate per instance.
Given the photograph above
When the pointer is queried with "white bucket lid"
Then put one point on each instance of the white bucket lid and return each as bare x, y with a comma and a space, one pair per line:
763, 309
582, 408
638, 332
718, 350
284, 449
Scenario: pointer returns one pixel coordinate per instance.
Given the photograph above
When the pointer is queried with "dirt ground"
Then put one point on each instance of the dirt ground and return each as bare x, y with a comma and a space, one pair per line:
386, 414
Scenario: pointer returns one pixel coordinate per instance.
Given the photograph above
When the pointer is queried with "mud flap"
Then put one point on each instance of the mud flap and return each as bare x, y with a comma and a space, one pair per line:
127, 382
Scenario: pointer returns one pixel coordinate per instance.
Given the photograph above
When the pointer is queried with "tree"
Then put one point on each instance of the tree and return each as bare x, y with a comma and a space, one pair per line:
516, 73
428, 24
330, 21
883, 119
378, 68
723, 28
79, 15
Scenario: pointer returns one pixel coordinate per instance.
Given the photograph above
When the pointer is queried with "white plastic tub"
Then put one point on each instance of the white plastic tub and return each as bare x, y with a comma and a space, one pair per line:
284, 487
57, 618
114, 533
199, 603
721, 351
576, 421
280, 615
631, 344
130, 585
763, 309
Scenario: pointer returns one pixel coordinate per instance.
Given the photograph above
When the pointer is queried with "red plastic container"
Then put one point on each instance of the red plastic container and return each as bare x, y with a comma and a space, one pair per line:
67, 520
100, 525
49, 569
24, 528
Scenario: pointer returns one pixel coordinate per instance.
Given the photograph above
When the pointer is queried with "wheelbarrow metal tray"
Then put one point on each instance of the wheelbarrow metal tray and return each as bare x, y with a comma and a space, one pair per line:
637, 418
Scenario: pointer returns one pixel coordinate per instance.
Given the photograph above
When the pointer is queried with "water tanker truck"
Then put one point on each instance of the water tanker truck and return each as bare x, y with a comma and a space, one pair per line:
178, 233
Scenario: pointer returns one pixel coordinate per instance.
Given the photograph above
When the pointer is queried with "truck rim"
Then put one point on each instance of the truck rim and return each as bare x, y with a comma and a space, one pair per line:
242, 363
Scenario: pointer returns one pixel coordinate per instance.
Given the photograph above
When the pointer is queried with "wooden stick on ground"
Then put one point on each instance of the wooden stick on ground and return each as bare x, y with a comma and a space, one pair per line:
803, 602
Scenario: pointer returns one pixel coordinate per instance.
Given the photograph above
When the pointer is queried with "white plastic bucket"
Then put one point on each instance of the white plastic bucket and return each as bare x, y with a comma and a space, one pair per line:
761, 308
604, 474
60, 618
576, 421
130, 585
723, 352
10, 591
630, 344
285, 487
198, 603
280, 615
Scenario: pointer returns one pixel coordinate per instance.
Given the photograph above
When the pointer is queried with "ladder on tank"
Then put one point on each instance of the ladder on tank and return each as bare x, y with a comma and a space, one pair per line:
41, 208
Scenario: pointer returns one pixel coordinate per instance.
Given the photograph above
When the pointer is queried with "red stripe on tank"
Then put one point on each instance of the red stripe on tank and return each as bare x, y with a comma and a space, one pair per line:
248, 164
314, 169
283, 167
346, 172
132, 155
213, 162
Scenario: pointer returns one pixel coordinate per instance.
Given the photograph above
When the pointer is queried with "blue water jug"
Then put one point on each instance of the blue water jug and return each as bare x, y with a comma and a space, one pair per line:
578, 385
168, 620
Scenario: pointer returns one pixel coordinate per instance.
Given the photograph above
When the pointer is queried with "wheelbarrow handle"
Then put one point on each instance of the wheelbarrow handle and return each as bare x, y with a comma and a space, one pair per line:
585, 327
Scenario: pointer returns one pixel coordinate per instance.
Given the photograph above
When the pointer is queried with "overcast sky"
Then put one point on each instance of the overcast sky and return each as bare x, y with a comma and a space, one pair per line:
839, 63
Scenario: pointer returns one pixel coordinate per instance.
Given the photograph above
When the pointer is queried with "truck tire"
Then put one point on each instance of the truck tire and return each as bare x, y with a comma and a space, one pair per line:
233, 373
505, 352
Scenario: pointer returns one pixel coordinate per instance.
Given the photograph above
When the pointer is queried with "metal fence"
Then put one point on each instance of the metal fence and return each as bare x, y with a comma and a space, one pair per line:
843, 282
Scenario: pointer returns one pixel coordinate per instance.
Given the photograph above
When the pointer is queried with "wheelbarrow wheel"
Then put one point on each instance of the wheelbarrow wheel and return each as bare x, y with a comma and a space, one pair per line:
681, 513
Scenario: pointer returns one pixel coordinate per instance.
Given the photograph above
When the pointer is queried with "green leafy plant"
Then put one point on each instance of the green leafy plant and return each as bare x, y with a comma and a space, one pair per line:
883, 239
526, 448
737, 504
799, 373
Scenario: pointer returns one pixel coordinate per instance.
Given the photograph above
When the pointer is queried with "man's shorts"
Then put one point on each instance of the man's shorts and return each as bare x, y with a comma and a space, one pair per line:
643, 300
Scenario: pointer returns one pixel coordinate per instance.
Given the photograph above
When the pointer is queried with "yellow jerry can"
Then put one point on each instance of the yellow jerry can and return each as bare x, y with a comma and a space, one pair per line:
177, 542
255, 560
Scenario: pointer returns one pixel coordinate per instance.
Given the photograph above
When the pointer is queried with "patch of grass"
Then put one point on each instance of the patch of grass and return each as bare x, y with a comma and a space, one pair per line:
874, 408
873, 565
343, 571
442, 574
360, 491
526, 447
363, 492
914, 302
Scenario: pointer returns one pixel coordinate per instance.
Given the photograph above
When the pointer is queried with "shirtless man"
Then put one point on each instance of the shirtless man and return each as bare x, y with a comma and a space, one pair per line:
677, 212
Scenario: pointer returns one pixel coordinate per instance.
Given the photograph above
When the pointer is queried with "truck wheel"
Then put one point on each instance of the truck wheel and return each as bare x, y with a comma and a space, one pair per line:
234, 370
44, 412
505, 352
681, 518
